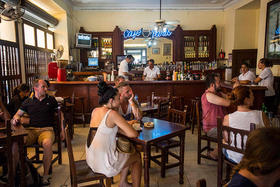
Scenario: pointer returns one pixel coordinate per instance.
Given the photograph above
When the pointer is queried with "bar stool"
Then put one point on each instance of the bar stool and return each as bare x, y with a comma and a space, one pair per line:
192, 116
79, 115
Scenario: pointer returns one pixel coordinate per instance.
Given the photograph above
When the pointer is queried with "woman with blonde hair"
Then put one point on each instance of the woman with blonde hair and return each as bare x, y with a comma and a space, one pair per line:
243, 98
260, 165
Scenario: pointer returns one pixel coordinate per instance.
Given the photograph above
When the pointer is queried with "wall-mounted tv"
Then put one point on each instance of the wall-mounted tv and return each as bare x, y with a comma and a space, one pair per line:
83, 40
93, 62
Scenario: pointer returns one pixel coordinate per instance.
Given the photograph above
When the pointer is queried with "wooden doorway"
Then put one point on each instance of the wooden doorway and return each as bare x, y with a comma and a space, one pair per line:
243, 55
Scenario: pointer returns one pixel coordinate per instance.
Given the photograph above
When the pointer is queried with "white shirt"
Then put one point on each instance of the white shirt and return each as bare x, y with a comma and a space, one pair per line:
242, 120
249, 75
123, 68
267, 80
151, 74
128, 113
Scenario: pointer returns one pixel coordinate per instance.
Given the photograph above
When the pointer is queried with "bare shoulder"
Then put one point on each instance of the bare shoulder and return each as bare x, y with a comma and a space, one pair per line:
114, 113
226, 120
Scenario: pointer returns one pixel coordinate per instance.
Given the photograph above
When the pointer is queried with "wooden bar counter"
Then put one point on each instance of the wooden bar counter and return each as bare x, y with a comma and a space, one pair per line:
188, 89
88, 90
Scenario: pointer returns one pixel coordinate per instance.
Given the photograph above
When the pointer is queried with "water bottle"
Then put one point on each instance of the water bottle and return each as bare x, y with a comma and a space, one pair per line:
136, 98
153, 97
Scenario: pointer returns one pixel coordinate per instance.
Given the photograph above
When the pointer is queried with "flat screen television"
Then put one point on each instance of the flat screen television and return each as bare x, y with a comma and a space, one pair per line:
83, 40
93, 62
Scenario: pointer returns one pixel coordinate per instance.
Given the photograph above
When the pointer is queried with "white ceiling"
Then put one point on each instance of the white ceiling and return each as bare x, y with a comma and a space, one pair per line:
151, 4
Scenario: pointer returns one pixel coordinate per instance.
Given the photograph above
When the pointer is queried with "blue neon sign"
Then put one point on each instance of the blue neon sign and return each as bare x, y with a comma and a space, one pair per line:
152, 33
132, 34
158, 34
277, 31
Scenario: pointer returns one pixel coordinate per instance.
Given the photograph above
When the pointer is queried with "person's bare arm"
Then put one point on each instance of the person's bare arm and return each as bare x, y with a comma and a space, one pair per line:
128, 74
158, 76
143, 77
16, 119
125, 128
135, 108
214, 99
226, 123
258, 79
234, 79
266, 121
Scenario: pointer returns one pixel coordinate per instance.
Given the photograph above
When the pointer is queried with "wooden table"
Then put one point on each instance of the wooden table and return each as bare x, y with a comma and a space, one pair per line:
18, 137
162, 130
150, 110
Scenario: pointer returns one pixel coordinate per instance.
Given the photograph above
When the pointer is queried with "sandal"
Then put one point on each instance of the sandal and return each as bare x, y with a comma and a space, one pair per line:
212, 155
46, 180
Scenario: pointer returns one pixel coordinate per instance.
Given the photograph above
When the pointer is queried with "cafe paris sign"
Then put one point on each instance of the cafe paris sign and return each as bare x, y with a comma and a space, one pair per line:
146, 33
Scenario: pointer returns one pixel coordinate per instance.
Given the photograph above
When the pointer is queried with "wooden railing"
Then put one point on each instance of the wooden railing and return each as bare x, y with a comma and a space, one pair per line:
10, 72
36, 61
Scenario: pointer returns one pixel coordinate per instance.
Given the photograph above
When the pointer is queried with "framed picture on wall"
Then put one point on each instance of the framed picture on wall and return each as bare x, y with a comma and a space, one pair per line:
155, 51
166, 49
272, 33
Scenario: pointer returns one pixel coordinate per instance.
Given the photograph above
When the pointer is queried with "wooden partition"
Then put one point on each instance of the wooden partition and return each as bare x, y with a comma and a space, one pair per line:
188, 89
88, 90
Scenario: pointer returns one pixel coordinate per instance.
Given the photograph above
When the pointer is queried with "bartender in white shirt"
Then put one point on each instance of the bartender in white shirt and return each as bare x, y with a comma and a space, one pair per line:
123, 70
266, 78
246, 75
151, 72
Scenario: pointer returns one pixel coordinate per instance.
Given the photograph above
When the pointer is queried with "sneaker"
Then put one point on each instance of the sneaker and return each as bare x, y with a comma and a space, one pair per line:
46, 180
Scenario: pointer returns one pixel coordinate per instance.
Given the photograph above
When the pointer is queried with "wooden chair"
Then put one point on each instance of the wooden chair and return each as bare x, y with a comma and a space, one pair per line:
175, 116
202, 136
201, 183
177, 102
57, 155
192, 113
6, 149
68, 110
162, 111
232, 145
80, 172
81, 115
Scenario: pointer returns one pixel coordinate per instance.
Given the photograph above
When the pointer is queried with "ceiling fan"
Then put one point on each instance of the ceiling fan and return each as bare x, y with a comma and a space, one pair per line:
161, 24
11, 10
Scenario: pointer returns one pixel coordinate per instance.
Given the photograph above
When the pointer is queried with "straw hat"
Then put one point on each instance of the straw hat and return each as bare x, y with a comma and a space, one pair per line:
125, 146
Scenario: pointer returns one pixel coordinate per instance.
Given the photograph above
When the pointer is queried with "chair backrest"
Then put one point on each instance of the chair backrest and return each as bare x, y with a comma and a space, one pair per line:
70, 154
163, 109
6, 144
177, 102
198, 116
158, 99
225, 132
228, 132
177, 116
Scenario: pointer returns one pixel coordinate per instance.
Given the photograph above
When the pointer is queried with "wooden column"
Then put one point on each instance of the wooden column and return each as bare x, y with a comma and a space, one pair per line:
178, 44
117, 44
213, 46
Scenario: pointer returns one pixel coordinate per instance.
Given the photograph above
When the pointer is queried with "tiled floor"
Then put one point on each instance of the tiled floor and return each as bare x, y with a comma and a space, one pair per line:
192, 172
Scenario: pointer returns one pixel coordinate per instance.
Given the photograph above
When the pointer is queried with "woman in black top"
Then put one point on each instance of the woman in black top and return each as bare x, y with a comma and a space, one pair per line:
260, 165
20, 93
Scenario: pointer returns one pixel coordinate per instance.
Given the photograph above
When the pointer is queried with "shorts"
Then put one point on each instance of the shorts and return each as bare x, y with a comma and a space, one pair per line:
212, 132
38, 135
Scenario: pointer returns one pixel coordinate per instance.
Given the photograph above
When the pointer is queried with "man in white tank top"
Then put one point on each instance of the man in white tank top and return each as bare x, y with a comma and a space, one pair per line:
128, 105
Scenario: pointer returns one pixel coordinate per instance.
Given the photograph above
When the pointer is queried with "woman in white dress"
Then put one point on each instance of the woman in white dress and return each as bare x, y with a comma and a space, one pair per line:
266, 78
243, 97
101, 153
